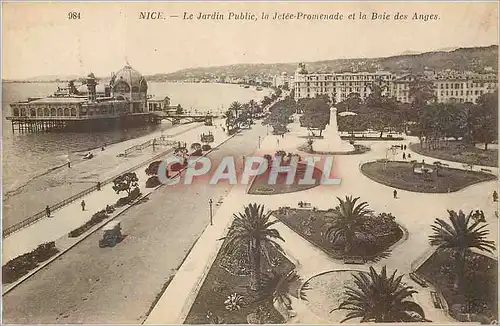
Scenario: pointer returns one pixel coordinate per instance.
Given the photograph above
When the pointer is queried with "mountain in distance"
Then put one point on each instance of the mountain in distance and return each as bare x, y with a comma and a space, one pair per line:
461, 59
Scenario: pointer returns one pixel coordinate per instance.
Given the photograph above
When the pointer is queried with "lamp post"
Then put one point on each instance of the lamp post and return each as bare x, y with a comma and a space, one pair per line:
210, 204
259, 142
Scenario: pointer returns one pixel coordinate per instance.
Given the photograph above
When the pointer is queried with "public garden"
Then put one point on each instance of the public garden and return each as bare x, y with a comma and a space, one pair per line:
399, 240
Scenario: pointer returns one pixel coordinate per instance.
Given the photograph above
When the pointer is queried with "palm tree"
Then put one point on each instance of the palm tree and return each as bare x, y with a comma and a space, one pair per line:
460, 237
236, 107
378, 298
347, 219
252, 229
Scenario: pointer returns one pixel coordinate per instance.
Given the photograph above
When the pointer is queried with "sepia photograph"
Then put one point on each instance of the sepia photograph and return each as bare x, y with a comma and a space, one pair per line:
250, 162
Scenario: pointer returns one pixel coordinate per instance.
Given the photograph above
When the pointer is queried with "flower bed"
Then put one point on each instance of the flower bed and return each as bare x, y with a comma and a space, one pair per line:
22, 265
457, 151
261, 186
401, 175
96, 219
214, 304
480, 299
310, 224
358, 149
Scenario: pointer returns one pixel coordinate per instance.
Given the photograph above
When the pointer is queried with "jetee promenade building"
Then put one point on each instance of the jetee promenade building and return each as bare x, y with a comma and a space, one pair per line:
448, 86
121, 103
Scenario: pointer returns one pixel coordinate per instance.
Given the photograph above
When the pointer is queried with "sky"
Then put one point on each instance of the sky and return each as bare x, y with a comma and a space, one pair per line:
39, 39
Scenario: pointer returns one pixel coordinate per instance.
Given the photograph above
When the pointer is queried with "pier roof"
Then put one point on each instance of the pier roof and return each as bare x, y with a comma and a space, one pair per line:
61, 100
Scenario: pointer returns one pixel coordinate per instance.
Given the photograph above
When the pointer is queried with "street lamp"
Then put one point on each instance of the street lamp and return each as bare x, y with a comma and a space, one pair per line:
211, 217
259, 142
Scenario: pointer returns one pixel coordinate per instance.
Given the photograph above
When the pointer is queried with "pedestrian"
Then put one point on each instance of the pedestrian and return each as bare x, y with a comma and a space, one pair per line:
409, 156
401, 146
495, 196
278, 141
69, 164
282, 135
404, 147
98, 186
404, 156
47, 211
395, 193
102, 148
83, 205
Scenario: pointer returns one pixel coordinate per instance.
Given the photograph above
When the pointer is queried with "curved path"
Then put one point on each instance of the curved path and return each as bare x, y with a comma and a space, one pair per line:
415, 211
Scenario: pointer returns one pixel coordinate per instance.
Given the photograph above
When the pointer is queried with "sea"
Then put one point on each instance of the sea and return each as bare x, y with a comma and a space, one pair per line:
27, 155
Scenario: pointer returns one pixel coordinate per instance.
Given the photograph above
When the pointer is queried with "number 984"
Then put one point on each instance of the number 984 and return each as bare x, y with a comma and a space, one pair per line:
73, 15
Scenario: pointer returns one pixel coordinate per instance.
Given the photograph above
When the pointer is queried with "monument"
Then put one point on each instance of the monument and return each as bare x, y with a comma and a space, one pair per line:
331, 141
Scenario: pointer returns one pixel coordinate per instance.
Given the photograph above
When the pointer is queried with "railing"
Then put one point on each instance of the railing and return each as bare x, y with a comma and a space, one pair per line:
32, 219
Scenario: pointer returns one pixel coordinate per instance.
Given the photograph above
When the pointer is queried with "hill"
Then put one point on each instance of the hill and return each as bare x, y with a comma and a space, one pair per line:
473, 59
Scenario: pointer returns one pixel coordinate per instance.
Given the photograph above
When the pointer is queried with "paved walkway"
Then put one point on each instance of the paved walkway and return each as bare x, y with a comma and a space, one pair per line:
71, 216
415, 211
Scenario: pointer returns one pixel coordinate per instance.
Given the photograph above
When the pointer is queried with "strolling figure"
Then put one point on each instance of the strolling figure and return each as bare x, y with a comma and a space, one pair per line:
83, 205
404, 156
47, 211
98, 186
404, 147
495, 196
395, 193
409, 156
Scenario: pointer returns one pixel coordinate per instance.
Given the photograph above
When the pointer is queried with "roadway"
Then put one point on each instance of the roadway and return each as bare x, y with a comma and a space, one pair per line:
119, 285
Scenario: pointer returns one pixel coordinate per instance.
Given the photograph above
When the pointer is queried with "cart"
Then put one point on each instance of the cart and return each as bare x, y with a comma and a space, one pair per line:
112, 234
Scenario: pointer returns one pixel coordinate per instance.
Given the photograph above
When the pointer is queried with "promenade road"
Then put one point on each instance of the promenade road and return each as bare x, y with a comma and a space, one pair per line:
64, 182
119, 285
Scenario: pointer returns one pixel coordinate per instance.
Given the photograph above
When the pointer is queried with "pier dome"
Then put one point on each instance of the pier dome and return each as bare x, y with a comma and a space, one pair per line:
127, 79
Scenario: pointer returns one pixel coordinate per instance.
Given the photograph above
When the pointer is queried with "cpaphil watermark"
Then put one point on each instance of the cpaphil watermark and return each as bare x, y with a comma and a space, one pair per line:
302, 172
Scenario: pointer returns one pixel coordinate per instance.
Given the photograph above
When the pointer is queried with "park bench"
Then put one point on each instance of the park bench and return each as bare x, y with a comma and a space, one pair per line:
436, 300
354, 260
418, 280
485, 170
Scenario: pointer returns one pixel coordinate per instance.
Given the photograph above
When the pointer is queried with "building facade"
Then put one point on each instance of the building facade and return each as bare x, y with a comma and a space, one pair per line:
338, 85
447, 86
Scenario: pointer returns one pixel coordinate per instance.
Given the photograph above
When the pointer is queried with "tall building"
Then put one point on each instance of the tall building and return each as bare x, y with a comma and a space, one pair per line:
339, 85
448, 86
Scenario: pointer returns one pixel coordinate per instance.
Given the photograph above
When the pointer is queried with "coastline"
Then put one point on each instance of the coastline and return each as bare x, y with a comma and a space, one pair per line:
59, 183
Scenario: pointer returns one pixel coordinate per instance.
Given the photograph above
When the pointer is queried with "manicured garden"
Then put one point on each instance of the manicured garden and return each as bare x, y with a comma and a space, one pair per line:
401, 175
346, 232
22, 265
458, 151
243, 282
467, 280
261, 185
358, 149
481, 294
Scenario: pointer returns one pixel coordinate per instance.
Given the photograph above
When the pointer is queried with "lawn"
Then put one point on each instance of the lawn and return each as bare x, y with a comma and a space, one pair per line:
358, 149
261, 186
310, 224
398, 174
458, 151
229, 275
481, 284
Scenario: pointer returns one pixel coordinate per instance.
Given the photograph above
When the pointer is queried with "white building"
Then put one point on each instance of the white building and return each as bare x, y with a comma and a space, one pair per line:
339, 85
449, 86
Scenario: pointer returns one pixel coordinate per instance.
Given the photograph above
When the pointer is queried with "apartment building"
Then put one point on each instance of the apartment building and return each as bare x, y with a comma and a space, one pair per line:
448, 86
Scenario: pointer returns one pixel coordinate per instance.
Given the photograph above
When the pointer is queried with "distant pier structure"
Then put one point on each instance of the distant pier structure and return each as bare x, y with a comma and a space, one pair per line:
122, 103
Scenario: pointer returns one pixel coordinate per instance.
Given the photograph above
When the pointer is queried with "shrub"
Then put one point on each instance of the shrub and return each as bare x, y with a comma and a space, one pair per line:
175, 167
95, 219
152, 182
197, 152
22, 265
206, 147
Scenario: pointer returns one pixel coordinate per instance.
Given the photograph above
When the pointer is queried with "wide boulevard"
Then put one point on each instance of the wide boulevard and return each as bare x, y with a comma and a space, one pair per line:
89, 284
